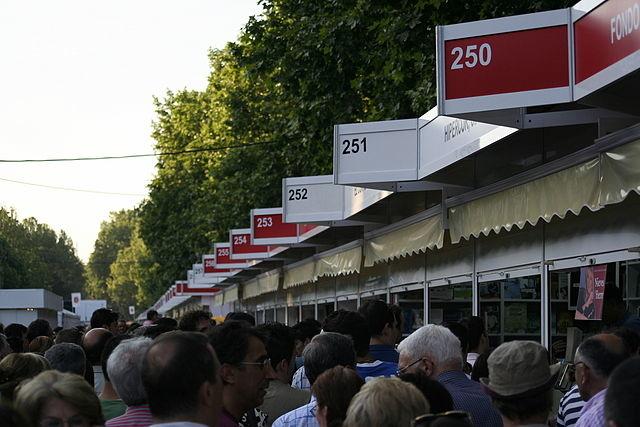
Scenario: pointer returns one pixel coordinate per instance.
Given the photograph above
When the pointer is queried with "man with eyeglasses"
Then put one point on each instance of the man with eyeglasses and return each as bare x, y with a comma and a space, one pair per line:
595, 360
244, 369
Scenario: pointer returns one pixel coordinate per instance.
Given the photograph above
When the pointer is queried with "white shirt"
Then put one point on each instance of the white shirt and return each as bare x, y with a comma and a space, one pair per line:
471, 358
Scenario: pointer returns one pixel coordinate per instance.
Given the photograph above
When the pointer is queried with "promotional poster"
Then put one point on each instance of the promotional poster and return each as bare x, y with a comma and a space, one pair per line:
591, 293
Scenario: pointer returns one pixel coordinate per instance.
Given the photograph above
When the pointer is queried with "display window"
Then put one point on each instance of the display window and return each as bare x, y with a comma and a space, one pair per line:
269, 315
260, 317
325, 308
349, 304
308, 310
411, 302
281, 314
450, 303
292, 315
510, 307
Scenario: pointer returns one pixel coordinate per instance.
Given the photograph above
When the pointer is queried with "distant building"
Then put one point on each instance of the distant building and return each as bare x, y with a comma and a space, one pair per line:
26, 305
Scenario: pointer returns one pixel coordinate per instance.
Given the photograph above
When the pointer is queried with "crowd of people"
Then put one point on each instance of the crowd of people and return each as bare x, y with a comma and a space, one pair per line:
356, 369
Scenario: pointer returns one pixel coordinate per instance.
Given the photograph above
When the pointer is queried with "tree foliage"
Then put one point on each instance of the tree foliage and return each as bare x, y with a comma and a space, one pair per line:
294, 72
32, 255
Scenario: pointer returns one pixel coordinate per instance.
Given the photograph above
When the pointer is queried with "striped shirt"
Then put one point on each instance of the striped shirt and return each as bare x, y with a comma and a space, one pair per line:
592, 414
469, 396
570, 406
304, 416
135, 416
300, 380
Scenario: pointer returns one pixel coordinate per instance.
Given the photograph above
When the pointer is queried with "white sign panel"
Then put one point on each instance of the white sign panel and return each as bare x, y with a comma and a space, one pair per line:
375, 152
357, 199
312, 199
132, 310
76, 297
445, 140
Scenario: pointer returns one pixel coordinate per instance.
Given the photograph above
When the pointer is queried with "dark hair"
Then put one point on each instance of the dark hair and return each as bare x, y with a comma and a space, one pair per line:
17, 367
601, 357
238, 315
10, 417
151, 314
93, 349
307, 329
436, 394
102, 317
334, 390
325, 351
15, 330
630, 338
475, 331
71, 335
525, 407
460, 331
67, 357
280, 342
38, 328
189, 321
40, 344
623, 393
154, 331
481, 367
350, 323
378, 315
173, 370
166, 322
108, 349
231, 341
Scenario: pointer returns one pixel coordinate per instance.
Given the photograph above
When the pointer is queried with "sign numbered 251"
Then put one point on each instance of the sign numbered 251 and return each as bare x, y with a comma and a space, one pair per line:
354, 145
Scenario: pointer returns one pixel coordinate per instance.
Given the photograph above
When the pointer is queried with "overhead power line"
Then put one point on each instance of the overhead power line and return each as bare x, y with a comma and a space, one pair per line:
134, 156
71, 189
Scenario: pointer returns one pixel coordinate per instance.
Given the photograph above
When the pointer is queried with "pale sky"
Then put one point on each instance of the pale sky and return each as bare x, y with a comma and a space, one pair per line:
77, 79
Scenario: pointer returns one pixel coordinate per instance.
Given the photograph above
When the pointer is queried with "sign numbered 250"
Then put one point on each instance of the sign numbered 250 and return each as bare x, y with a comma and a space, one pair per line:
354, 146
472, 56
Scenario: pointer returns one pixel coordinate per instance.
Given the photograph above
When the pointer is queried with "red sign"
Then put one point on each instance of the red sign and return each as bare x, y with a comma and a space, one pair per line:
606, 35
241, 244
183, 288
508, 62
209, 262
270, 226
591, 293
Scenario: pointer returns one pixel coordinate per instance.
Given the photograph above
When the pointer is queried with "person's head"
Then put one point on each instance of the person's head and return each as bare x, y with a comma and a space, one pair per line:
325, 351
350, 323
17, 337
107, 350
460, 331
280, 342
39, 328
152, 315
476, 332
93, 343
124, 367
596, 357
180, 375
55, 396
379, 317
18, 367
334, 389
5, 347
153, 331
244, 363
71, 335
122, 326
240, 316
67, 357
166, 322
436, 394
432, 349
386, 402
520, 382
623, 394
196, 321
481, 367
40, 344
630, 338
304, 331
10, 417
105, 318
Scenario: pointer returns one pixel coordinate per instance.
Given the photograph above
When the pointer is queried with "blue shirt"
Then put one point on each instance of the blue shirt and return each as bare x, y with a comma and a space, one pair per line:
570, 407
304, 416
384, 352
469, 396
369, 371
300, 380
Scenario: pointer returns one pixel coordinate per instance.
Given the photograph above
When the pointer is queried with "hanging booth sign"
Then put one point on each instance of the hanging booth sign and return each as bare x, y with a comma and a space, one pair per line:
606, 42
211, 270
316, 199
243, 249
503, 63
269, 228
183, 288
223, 257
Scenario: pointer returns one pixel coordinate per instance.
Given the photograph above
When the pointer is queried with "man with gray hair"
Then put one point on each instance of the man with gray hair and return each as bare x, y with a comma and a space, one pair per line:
67, 357
436, 352
124, 370
325, 351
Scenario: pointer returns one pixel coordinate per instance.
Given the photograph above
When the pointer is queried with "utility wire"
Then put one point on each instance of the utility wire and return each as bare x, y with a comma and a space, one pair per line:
71, 189
133, 156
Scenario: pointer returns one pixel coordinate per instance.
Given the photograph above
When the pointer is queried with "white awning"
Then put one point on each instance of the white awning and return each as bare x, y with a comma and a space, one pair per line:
172, 303
341, 263
250, 289
620, 173
412, 239
299, 274
230, 295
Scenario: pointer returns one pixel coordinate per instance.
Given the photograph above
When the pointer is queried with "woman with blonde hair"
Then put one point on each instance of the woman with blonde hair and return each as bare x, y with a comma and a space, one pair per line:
386, 402
17, 367
54, 399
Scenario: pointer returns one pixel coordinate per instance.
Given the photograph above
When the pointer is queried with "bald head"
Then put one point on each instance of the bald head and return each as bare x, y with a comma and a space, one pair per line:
602, 353
93, 343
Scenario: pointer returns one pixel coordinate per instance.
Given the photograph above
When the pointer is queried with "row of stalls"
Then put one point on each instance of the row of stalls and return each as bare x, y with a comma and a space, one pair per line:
495, 203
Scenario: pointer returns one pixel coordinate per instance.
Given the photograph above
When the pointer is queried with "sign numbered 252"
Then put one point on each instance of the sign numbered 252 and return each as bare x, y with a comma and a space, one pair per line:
354, 145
